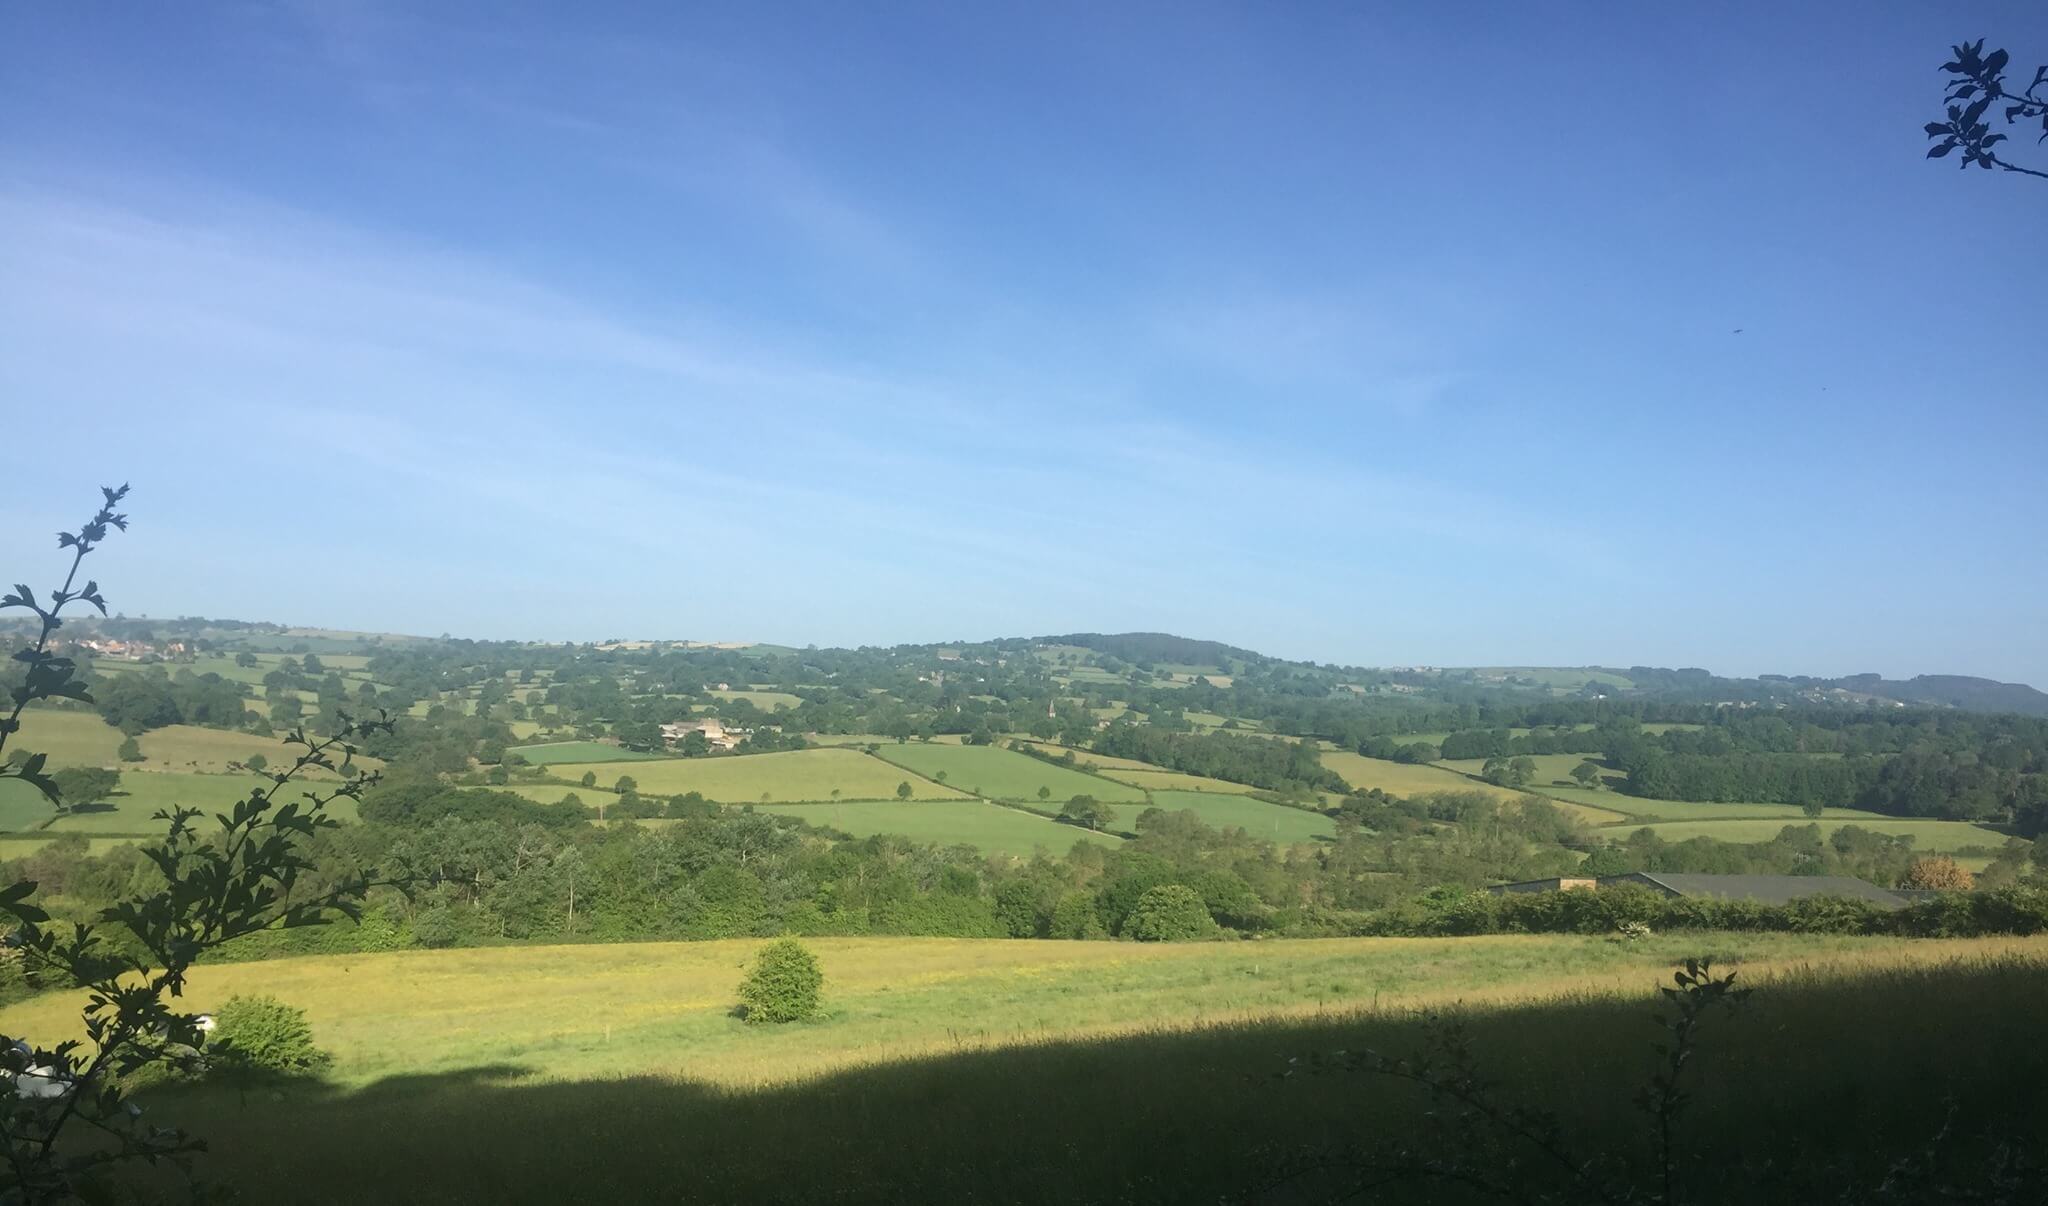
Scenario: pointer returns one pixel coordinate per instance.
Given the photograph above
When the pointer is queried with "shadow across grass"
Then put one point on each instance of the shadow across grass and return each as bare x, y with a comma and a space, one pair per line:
1814, 1089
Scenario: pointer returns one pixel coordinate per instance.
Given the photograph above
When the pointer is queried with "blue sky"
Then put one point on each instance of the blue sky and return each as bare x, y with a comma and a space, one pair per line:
1365, 333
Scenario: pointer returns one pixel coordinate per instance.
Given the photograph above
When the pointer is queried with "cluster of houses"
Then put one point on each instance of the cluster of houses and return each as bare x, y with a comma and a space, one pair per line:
128, 651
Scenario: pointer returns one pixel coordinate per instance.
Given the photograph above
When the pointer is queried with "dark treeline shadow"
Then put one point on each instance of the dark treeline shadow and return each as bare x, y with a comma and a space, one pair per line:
1811, 1092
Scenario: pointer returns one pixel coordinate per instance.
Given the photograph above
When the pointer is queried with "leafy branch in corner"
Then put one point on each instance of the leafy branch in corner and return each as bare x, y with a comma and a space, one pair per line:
69, 1116
1978, 85
50, 676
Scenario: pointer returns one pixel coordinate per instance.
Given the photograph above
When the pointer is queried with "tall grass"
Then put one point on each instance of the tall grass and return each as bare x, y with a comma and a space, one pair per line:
1825, 1077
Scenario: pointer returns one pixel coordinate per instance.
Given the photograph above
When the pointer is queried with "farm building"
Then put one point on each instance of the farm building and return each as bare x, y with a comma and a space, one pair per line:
714, 732
1556, 883
1764, 889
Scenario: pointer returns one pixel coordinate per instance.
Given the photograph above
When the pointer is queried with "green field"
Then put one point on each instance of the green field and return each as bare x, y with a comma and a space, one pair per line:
1933, 836
1273, 822
1643, 808
1004, 774
559, 752
767, 701
1089, 760
69, 738
1166, 780
1551, 769
140, 794
13, 846
1042, 1072
991, 828
798, 776
1403, 778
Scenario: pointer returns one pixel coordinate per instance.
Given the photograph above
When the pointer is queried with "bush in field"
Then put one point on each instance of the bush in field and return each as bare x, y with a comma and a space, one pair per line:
1169, 913
265, 1035
130, 750
784, 983
1937, 873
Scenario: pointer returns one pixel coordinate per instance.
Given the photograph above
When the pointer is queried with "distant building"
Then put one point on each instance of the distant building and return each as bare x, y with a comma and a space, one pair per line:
1764, 889
714, 732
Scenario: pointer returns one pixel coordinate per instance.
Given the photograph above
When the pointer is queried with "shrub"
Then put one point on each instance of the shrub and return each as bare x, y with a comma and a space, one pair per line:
1169, 913
130, 751
784, 983
1938, 873
265, 1035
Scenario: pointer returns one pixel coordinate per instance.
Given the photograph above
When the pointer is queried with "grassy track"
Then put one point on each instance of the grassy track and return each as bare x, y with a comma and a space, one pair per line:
1004, 774
795, 777
990, 828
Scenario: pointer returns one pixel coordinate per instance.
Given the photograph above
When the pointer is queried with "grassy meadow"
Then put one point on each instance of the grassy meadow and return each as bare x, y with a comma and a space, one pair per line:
990, 828
130, 809
1222, 810
1004, 1071
1167, 780
1931, 836
796, 776
552, 753
1001, 774
767, 701
1403, 778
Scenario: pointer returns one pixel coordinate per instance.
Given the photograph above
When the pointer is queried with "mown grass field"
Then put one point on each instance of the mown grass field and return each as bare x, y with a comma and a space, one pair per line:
990, 828
1221, 810
1932, 836
558, 752
999, 1072
1004, 774
797, 776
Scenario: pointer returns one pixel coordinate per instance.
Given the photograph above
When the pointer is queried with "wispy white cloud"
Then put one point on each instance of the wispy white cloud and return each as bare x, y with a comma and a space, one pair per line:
708, 458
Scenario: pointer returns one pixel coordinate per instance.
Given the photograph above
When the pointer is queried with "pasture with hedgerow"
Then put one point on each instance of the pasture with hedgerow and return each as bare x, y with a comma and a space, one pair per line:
921, 605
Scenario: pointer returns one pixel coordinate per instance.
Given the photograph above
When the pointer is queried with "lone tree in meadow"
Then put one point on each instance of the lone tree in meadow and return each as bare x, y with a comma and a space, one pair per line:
1587, 773
1089, 811
1977, 91
784, 985
903, 790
